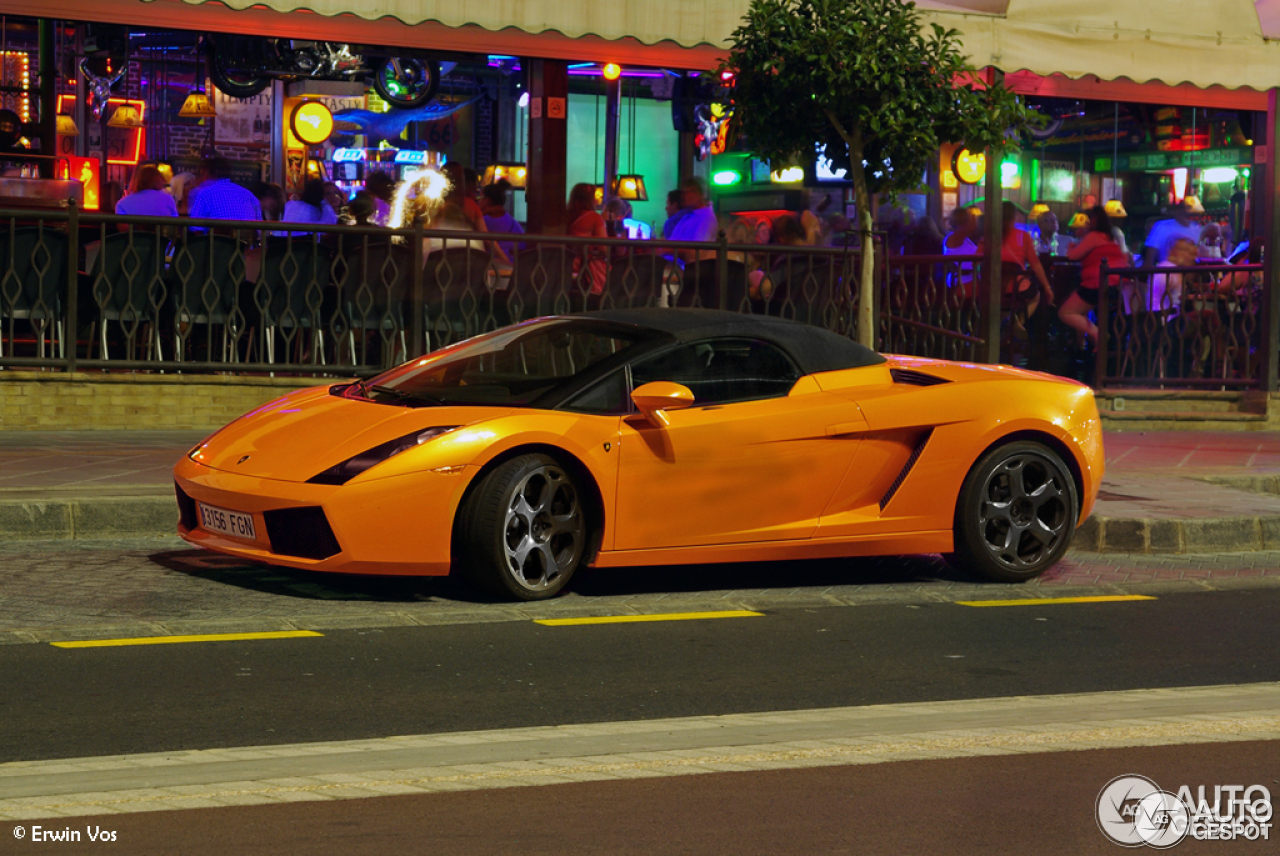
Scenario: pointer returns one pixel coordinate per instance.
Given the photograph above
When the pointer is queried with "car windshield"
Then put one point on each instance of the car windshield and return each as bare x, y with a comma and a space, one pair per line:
511, 367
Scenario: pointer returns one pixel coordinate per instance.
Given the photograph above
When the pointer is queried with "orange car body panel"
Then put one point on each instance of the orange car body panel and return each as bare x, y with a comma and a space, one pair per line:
804, 475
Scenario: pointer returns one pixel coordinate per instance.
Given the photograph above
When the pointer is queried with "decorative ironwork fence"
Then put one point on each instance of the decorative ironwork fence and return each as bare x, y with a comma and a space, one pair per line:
1190, 327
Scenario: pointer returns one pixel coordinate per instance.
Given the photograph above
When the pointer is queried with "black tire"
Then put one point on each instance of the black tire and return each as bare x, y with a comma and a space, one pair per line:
523, 530
1016, 514
417, 82
227, 78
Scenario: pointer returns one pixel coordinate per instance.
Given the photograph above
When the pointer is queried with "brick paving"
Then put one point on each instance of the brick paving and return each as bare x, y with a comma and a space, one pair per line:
161, 586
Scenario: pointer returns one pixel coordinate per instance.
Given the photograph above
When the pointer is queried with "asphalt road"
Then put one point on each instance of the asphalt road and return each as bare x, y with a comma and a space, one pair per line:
1012, 805
351, 684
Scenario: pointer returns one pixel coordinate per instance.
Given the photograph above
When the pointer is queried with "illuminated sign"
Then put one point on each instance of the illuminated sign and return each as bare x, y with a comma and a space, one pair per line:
312, 123
348, 155
409, 156
790, 175
969, 167
726, 177
85, 171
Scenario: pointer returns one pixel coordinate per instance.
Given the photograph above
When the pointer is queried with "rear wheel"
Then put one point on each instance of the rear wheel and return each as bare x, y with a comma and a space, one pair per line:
523, 530
1016, 514
227, 68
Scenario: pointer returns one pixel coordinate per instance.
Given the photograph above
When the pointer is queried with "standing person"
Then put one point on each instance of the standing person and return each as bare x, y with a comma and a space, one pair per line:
1165, 232
147, 196
271, 199
382, 187
962, 241
699, 221
312, 207
466, 202
675, 212
493, 202
585, 222
220, 198
1096, 245
1017, 256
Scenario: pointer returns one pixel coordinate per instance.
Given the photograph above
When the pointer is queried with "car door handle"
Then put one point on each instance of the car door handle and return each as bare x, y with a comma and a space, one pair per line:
846, 428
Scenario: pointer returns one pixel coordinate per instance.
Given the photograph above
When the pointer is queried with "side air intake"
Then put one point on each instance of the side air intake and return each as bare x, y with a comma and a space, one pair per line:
915, 378
906, 468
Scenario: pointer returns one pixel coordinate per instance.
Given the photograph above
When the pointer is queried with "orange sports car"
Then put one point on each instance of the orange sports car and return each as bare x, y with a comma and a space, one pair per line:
650, 437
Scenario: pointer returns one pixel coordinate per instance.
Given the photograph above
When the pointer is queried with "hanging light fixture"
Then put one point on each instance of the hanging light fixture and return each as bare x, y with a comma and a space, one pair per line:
67, 127
515, 173
630, 187
125, 116
197, 106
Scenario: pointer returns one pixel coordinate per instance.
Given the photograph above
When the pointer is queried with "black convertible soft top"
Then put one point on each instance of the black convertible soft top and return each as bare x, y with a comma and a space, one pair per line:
813, 348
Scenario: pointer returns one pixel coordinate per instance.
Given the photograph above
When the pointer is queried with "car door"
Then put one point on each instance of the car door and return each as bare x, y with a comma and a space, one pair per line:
753, 459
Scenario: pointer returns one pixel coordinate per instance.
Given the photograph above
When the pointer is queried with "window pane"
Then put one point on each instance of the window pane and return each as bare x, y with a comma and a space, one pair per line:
723, 370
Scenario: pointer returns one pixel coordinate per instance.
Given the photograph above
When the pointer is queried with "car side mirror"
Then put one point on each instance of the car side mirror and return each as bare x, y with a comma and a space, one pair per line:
653, 398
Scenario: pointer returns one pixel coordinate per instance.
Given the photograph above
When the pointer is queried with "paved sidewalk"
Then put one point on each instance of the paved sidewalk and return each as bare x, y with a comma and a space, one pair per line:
1165, 492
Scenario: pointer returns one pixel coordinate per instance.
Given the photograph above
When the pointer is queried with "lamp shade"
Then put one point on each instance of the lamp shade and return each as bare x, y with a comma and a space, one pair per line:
67, 127
629, 187
125, 116
1038, 209
197, 106
515, 173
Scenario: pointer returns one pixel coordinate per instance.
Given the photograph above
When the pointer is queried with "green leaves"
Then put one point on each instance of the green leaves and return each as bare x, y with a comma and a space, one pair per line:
891, 85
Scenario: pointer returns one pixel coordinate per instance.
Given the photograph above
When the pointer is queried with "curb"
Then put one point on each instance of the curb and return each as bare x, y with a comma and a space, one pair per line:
468, 613
69, 519
157, 516
1170, 535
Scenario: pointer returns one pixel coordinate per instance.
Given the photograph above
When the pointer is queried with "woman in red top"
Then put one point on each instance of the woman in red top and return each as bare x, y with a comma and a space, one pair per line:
585, 222
1096, 245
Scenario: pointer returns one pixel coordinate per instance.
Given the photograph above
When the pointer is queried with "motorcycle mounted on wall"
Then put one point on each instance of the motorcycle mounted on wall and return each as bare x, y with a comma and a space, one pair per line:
243, 66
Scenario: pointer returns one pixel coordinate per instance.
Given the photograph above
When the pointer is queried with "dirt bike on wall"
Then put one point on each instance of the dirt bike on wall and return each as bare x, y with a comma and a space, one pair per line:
243, 66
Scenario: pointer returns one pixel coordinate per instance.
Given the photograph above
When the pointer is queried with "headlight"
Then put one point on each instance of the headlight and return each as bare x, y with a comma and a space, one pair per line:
354, 466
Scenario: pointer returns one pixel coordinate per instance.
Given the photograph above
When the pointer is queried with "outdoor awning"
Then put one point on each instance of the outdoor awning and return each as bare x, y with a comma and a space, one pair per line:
1202, 42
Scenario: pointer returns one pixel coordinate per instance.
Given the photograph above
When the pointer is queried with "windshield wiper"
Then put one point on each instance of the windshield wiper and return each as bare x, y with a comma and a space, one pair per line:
403, 395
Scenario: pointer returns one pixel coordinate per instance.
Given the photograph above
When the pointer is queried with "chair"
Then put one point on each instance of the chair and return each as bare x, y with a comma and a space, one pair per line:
455, 293
811, 289
634, 281
541, 284
290, 293
699, 286
127, 283
372, 280
205, 278
33, 260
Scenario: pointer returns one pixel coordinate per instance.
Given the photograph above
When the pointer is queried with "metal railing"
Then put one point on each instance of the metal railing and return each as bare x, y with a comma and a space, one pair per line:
1181, 327
98, 291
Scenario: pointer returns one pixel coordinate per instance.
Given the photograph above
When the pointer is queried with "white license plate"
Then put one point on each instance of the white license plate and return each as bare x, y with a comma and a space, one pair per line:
233, 523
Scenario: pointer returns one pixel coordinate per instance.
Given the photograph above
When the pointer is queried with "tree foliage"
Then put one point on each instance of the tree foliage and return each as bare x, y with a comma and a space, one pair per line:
862, 77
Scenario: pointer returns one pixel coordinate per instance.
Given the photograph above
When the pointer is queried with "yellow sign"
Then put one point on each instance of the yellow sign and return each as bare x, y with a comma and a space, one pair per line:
312, 123
969, 167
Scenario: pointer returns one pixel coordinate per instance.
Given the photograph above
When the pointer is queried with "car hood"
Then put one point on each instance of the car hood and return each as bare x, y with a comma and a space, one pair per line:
304, 433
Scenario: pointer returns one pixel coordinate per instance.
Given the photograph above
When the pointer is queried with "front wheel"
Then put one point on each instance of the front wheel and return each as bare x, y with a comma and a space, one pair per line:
405, 82
1016, 514
523, 530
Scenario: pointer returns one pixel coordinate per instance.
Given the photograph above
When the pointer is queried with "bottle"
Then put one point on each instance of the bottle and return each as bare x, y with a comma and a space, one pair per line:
257, 129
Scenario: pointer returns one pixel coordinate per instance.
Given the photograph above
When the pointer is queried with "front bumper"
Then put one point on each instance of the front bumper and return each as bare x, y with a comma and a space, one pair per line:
398, 525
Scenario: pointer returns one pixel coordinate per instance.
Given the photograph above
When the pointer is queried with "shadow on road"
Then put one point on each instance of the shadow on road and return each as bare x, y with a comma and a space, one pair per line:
590, 582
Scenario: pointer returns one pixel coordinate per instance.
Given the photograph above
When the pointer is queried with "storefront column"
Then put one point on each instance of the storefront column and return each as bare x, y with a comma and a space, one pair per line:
988, 292
48, 98
1269, 229
548, 130
612, 108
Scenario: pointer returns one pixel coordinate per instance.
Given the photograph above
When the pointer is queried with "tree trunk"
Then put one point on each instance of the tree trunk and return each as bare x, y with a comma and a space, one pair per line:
867, 284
